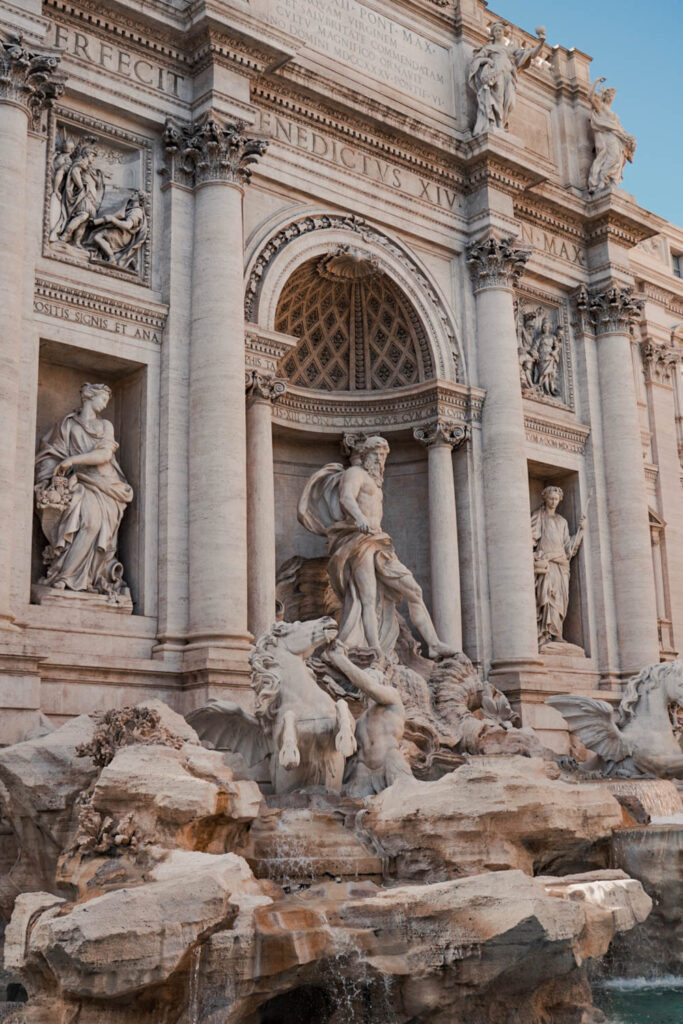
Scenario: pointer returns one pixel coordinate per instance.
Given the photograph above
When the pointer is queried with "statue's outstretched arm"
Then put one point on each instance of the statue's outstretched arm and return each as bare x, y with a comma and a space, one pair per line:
365, 681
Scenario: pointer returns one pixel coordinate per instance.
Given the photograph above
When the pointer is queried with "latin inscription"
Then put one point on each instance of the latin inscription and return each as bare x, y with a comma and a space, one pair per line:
95, 51
553, 245
349, 158
359, 37
86, 318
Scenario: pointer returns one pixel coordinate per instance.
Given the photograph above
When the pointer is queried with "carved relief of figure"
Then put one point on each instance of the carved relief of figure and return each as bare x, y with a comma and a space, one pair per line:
83, 192
493, 77
81, 495
548, 348
120, 236
345, 505
613, 146
553, 550
525, 347
60, 168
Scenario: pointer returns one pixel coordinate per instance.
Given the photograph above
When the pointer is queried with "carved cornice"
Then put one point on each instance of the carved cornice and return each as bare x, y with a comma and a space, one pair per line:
372, 411
659, 361
29, 77
496, 264
615, 310
551, 434
264, 385
264, 349
210, 150
72, 305
442, 432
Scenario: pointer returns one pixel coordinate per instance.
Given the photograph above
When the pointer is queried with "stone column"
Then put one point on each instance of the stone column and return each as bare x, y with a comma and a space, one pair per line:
262, 390
495, 267
440, 438
212, 157
29, 82
612, 313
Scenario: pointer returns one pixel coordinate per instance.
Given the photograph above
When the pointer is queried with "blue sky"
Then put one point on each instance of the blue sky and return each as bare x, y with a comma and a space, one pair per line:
636, 44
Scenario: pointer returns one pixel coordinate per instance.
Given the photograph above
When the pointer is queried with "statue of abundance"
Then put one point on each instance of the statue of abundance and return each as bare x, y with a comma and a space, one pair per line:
345, 505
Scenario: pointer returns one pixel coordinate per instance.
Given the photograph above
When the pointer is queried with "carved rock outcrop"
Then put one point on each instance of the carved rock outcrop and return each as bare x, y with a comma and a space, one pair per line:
491, 814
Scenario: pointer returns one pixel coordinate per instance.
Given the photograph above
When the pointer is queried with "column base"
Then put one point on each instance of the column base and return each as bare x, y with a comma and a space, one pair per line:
20, 682
222, 672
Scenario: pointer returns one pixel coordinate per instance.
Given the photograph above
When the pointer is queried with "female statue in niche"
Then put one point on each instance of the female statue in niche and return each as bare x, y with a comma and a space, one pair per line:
493, 77
554, 549
81, 495
613, 146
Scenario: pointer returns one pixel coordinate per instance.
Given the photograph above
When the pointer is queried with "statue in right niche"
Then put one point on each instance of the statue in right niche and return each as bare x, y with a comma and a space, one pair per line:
613, 146
554, 549
81, 495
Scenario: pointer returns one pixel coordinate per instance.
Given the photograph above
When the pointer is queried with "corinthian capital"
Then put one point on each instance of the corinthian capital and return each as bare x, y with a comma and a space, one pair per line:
442, 432
495, 264
612, 311
210, 150
29, 77
264, 385
659, 361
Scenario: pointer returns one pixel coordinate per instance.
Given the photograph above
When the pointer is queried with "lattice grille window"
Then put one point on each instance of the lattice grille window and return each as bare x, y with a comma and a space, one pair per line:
357, 330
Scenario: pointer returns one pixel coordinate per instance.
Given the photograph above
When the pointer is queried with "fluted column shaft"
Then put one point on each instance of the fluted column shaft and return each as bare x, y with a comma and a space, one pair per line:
495, 266
440, 439
262, 390
612, 312
29, 82
212, 157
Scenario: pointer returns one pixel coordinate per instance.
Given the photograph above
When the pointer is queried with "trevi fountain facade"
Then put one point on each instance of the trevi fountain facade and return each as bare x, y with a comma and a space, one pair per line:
341, 556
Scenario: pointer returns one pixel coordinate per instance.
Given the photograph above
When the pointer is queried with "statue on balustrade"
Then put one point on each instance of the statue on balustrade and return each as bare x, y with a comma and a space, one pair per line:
345, 505
493, 77
81, 496
613, 146
554, 549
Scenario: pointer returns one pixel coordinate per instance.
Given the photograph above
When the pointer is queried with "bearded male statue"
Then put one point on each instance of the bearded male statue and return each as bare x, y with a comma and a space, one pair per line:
345, 505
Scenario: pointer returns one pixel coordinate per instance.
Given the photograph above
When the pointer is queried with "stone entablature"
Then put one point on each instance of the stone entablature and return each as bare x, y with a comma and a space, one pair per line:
70, 305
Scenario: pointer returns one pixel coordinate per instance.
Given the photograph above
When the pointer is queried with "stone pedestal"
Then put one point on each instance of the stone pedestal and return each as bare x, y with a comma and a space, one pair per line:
440, 438
495, 266
82, 599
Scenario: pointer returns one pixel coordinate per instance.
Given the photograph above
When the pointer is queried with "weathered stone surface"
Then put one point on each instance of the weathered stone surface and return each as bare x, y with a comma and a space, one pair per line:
28, 907
492, 814
127, 940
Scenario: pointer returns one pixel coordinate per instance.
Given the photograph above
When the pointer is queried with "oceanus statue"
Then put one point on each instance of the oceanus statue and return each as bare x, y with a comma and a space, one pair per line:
637, 739
303, 732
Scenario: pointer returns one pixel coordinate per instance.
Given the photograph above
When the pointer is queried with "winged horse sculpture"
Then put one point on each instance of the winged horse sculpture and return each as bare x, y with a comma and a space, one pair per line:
305, 735
636, 739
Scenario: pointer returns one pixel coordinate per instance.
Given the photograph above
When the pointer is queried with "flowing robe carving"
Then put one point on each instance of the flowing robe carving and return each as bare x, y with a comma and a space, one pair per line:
554, 548
83, 536
321, 512
613, 145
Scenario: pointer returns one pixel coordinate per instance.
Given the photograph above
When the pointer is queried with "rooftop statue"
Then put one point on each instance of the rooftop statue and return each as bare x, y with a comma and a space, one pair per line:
345, 505
613, 146
638, 738
493, 76
81, 495
297, 725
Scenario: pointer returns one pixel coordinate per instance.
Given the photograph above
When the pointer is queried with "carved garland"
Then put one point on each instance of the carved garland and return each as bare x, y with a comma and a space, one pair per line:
370, 235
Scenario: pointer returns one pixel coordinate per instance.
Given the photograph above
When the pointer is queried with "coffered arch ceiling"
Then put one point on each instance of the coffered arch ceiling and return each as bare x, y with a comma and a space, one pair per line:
357, 330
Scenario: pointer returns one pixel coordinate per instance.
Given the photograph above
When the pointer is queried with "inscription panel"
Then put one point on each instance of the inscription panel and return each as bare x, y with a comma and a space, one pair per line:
360, 38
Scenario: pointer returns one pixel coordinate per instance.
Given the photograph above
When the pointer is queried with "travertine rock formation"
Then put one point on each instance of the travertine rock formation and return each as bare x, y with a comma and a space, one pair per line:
491, 814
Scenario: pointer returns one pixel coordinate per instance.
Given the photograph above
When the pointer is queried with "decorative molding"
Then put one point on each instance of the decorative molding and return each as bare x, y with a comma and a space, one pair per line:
668, 299
651, 472
264, 349
442, 432
264, 385
551, 434
210, 150
72, 305
374, 411
92, 131
29, 77
615, 310
659, 361
496, 264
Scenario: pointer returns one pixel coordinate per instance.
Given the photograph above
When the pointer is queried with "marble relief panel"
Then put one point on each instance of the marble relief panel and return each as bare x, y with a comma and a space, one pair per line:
543, 348
97, 197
